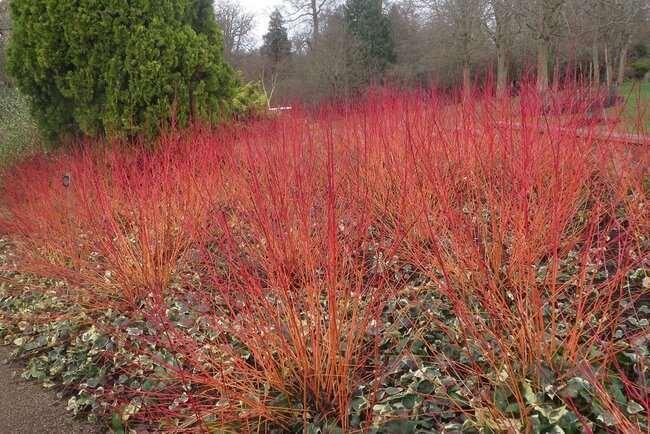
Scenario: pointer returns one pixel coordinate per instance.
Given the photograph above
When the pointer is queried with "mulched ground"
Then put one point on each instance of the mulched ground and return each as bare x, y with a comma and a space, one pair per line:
27, 408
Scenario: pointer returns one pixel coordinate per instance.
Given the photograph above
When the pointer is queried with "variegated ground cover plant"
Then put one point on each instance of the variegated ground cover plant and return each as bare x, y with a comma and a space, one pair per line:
395, 265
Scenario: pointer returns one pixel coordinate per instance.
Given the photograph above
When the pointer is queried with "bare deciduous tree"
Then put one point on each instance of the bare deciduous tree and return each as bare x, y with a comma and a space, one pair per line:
464, 21
624, 17
309, 12
543, 19
602, 31
411, 38
236, 25
502, 28
333, 65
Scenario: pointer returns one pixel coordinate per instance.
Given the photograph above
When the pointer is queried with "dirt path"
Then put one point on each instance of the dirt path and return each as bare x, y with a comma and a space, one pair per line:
27, 408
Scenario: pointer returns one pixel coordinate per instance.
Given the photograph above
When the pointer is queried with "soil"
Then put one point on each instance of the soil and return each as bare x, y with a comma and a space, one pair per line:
28, 408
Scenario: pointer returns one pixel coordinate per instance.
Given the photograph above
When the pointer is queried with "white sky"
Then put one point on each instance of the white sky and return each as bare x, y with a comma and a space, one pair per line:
262, 9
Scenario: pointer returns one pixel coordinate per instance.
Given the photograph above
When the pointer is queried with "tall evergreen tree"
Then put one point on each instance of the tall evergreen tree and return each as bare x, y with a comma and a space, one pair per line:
277, 46
367, 22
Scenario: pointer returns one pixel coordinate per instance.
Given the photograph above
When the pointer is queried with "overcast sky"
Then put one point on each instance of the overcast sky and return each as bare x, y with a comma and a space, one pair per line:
262, 9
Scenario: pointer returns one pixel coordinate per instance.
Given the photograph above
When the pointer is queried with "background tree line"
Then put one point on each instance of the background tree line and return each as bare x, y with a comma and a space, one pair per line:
332, 48
316, 49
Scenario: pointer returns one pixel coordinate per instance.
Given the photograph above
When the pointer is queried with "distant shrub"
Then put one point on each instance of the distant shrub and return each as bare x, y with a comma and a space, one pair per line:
249, 99
120, 69
640, 67
638, 51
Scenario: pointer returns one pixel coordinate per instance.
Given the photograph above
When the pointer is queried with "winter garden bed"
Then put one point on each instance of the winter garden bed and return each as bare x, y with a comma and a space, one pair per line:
389, 266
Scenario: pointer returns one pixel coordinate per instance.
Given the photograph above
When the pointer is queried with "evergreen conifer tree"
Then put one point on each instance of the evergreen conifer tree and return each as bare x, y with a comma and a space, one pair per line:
277, 46
367, 22
116, 68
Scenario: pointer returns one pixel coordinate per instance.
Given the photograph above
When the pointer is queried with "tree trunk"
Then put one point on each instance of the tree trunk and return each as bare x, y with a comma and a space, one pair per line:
595, 78
542, 65
502, 71
622, 61
467, 81
503, 42
557, 76
315, 22
608, 68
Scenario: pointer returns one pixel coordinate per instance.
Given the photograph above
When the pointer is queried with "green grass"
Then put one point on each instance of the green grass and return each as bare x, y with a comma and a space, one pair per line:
18, 132
636, 114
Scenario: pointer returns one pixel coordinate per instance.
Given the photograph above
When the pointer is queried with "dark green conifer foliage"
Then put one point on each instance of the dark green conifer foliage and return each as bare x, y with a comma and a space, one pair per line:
277, 46
367, 22
119, 68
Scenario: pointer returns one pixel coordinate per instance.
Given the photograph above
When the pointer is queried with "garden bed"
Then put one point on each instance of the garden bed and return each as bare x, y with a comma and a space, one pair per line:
388, 266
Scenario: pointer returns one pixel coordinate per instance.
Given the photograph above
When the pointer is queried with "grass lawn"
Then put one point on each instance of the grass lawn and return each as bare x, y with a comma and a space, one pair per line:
18, 132
636, 115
